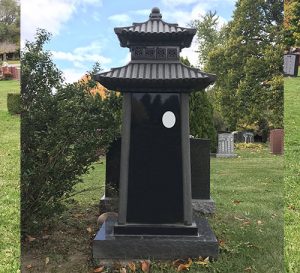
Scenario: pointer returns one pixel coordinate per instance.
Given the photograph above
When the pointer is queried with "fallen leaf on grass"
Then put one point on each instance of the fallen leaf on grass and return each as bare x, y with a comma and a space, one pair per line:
47, 260
221, 243
145, 266
178, 262
30, 239
123, 270
202, 261
132, 266
99, 269
182, 267
291, 207
246, 223
238, 218
236, 202
248, 269
89, 229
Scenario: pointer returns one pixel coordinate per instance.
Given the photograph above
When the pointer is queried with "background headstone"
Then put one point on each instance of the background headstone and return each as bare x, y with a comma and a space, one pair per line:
277, 141
290, 64
225, 145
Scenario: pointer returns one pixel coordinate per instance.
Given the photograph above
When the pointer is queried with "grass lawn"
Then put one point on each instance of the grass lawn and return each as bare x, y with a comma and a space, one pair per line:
248, 222
9, 182
292, 175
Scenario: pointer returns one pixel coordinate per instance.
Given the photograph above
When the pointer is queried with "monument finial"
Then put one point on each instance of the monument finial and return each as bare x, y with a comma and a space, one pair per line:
155, 14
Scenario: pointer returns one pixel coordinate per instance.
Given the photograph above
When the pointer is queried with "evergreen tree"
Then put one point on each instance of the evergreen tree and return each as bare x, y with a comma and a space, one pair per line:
201, 115
249, 89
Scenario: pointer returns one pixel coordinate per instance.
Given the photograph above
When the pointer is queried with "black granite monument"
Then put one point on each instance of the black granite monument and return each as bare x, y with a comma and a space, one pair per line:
155, 199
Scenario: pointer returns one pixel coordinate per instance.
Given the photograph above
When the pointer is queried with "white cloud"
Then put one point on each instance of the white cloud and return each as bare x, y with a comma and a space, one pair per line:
178, 2
49, 14
82, 55
120, 19
191, 53
72, 74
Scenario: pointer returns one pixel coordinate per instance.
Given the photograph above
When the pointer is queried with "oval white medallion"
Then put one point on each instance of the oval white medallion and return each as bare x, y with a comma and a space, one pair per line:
168, 119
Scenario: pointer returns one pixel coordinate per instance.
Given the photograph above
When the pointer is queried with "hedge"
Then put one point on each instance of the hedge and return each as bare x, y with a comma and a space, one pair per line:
14, 103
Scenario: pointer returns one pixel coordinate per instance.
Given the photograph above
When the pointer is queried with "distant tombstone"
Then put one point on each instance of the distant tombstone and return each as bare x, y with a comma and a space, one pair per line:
225, 145
248, 137
200, 176
277, 141
291, 63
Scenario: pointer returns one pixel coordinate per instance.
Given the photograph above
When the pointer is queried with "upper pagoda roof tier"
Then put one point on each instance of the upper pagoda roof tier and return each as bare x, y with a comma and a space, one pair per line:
166, 77
155, 31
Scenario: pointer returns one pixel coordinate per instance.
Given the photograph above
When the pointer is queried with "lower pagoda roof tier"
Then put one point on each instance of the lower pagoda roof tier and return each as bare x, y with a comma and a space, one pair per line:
163, 77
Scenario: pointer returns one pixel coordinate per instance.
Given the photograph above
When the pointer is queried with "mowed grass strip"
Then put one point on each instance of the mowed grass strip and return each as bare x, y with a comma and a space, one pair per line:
248, 192
9, 182
292, 174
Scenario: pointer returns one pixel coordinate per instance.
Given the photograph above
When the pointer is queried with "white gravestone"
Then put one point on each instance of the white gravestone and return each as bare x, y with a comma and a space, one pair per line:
225, 145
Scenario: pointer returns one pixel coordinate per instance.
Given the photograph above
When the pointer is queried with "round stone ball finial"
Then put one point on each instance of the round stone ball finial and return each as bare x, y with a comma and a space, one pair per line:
155, 13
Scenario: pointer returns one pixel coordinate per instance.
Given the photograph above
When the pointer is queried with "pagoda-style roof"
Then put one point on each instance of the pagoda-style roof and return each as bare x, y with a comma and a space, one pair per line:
155, 31
155, 61
140, 76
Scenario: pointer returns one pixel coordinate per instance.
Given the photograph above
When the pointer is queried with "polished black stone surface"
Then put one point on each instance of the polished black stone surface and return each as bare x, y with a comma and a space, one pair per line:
200, 168
107, 245
162, 229
155, 162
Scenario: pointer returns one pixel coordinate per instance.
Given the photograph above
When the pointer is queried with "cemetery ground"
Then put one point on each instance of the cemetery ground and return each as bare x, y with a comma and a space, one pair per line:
248, 222
292, 178
9, 182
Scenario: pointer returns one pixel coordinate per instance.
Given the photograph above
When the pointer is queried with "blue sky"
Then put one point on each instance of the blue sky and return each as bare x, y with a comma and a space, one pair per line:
83, 29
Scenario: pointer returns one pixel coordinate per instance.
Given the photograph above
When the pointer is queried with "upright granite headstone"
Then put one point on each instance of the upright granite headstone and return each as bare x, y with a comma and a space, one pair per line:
277, 141
225, 145
291, 64
155, 217
248, 137
200, 170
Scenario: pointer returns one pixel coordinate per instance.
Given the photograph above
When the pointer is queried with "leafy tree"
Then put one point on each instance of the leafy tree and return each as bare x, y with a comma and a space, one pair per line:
292, 22
201, 115
9, 21
63, 128
248, 66
208, 34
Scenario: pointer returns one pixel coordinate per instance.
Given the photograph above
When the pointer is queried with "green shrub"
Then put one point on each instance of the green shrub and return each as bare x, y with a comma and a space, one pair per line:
61, 133
14, 103
201, 118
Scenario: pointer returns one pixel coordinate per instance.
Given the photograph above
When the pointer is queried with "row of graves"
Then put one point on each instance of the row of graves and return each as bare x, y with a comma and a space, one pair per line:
157, 175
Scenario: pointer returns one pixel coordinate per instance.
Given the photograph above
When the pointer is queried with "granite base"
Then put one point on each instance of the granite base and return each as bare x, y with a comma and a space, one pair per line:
204, 206
107, 245
226, 155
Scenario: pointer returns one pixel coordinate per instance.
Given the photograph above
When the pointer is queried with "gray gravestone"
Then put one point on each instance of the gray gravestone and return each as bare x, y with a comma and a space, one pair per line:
225, 145
290, 64
248, 137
